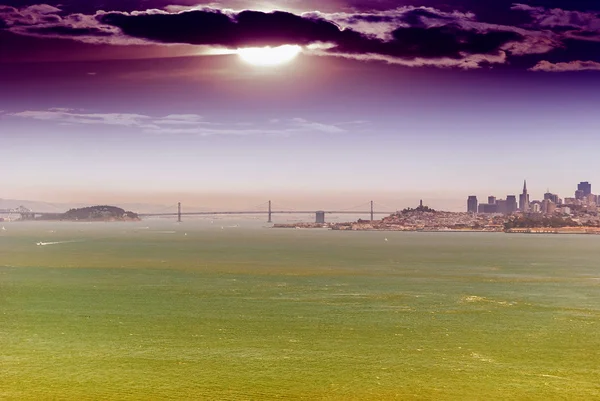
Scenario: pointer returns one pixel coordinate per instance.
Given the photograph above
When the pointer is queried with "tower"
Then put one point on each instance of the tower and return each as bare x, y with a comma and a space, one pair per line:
511, 204
270, 220
472, 204
585, 187
524, 199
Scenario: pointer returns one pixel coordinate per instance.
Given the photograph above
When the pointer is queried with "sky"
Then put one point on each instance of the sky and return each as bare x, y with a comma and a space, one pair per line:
393, 101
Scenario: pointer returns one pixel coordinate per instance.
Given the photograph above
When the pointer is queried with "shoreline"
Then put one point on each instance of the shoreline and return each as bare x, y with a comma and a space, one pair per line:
537, 231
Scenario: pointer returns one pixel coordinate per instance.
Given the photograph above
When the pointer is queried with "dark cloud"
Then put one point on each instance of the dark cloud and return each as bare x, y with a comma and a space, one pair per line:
447, 41
416, 17
569, 24
216, 28
408, 35
251, 28
91, 6
69, 31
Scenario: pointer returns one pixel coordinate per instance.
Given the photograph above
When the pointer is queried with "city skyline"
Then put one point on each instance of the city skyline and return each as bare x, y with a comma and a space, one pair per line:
398, 102
583, 194
297, 201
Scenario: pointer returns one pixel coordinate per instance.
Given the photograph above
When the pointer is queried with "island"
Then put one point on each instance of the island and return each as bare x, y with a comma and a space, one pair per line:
93, 213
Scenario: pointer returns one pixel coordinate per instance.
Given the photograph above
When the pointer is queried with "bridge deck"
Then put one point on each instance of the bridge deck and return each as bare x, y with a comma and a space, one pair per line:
242, 212
261, 212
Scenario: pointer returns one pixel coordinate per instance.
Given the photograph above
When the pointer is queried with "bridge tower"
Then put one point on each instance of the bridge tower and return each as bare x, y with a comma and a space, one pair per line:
179, 212
372, 211
270, 220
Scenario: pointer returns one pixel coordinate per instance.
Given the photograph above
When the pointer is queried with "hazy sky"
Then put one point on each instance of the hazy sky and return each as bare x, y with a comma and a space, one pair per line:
114, 101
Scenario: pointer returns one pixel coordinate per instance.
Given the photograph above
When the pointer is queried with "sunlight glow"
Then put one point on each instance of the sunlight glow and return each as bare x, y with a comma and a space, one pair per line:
269, 56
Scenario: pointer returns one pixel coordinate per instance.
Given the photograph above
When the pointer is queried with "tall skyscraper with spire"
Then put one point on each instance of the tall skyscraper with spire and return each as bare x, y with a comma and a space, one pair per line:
524, 199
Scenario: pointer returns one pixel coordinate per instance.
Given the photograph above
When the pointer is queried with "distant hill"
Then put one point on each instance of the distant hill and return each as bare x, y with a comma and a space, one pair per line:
47, 207
94, 213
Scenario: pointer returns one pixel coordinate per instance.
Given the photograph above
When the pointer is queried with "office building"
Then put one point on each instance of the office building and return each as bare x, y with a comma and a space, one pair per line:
487, 208
524, 199
548, 207
472, 204
551, 197
502, 206
585, 187
491, 200
511, 204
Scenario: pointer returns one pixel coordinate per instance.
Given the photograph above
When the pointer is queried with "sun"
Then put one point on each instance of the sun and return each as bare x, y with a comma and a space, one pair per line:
269, 56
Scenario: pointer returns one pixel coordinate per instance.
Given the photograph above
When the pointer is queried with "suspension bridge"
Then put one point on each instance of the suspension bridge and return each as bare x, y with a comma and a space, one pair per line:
369, 209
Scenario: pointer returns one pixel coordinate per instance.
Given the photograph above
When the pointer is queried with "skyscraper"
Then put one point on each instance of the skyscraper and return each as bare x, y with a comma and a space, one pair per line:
511, 204
472, 204
487, 208
524, 199
502, 206
491, 200
586, 187
551, 197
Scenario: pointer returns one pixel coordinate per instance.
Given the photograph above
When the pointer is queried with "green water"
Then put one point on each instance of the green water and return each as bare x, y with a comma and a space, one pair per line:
248, 313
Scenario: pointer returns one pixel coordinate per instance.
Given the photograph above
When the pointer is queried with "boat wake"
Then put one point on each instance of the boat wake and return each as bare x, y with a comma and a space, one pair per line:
55, 243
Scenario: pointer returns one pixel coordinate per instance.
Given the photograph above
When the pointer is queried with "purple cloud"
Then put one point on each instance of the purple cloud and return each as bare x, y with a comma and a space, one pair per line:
409, 36
579, 25
412, 36
177, 124
570, 66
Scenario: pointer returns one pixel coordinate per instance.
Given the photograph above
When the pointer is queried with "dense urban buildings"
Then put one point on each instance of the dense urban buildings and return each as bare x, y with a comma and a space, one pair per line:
583, 203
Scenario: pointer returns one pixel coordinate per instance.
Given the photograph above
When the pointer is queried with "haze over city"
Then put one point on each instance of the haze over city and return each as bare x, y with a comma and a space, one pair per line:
122, 102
